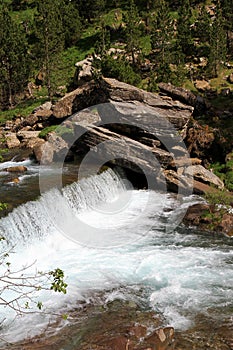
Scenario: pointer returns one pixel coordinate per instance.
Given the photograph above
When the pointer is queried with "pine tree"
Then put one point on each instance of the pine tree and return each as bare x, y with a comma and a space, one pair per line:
71, 22
50, 36
103, 42
184, 33
89, 9
203, 25
163, 33
14, 59
132, 31
218, 43
227, 12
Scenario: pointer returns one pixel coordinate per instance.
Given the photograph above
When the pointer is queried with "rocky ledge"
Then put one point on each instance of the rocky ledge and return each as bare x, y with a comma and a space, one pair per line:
210, 218
151, 134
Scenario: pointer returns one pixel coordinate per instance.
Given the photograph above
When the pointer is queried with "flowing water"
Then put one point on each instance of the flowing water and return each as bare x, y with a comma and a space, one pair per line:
124, 243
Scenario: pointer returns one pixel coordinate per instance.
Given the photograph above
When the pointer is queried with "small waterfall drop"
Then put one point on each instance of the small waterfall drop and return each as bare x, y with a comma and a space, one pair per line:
36, 219
181, 273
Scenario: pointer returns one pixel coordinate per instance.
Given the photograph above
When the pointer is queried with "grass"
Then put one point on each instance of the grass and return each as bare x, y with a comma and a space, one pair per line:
221, 82
23, 109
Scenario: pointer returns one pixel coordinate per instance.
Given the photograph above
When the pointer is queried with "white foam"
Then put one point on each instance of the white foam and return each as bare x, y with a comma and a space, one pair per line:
181, 275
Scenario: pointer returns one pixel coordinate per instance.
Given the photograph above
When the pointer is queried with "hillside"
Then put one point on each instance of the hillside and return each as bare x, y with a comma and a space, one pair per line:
187, 44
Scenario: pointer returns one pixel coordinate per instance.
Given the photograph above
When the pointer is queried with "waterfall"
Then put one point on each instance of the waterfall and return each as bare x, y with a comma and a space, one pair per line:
111, 239
36, 219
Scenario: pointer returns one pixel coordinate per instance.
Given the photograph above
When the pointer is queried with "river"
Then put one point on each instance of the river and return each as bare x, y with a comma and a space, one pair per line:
116, 241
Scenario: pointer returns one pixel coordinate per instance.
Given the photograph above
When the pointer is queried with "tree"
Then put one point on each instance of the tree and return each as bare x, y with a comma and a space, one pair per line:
227, 12
203, 25
163, 33
132, 31
218, 43
89, 9
184, 33
14, 59
71, 22
103, 41
50, 34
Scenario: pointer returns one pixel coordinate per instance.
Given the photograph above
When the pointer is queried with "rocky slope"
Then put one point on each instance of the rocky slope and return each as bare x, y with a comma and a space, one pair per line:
138, 130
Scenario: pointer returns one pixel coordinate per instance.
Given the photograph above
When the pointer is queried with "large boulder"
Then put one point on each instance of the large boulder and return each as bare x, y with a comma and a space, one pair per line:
53, 149
108, 90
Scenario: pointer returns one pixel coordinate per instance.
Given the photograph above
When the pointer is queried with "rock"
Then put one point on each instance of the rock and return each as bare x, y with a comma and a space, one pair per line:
209, 218
15, 169
202, 85
201, 141
30, 120
8, 125
34, 142
16, 180
44, 153
195, 215
178, 93
177, 183
124, 151
75, 101
226, 224
53, 149
199, 173
25, 135
45, 106
160, 339
109, 90
185, 96
184, 161
43, 114
84, 70
230, 78
11, 140
202, 188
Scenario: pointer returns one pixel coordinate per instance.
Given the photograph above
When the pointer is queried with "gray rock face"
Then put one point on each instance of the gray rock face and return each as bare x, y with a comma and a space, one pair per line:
199, 173
53, 149
119, 123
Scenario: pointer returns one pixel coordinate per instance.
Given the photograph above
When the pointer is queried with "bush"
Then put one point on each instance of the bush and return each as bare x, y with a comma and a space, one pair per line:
119, 69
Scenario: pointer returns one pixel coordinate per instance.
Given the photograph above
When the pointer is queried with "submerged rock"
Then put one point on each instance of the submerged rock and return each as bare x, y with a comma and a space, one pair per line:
118, 326
15, 169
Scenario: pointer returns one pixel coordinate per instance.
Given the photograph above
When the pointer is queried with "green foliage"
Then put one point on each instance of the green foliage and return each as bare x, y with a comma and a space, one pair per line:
14, 59
71, 22
47, 130
162, 34
58, 284
225, 172
218, 44
3, 206
133, 31
60, 130
53, 35
23, 109
217, 198
119, 69
184, 33
51, 39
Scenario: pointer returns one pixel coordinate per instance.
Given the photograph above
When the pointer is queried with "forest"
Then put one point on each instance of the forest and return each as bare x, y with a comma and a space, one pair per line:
151, 41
